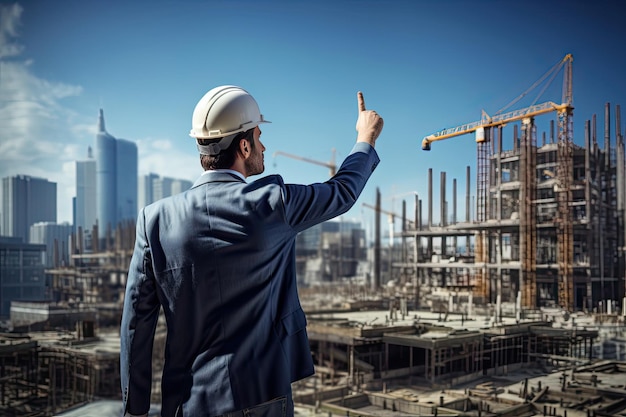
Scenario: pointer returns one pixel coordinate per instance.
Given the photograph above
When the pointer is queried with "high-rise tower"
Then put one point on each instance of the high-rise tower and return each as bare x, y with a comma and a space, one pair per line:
27, 200
126, 180
116, 179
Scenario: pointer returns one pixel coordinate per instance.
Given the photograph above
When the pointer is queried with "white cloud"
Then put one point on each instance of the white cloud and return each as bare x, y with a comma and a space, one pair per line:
39, 135
31, 108
162, 145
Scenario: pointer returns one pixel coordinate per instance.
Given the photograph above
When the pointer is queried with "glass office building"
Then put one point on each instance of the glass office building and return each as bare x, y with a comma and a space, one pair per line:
116, 179
27, 200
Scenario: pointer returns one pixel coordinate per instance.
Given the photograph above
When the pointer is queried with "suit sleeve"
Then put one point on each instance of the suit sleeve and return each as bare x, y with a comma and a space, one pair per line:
139, 319
307, 205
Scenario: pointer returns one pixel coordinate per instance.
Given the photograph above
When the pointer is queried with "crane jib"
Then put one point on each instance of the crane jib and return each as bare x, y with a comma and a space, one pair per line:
501, 119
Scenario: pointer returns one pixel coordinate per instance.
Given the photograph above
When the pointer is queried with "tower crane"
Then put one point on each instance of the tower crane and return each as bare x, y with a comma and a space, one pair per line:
528, 227
330, 165
391, 216
378, 209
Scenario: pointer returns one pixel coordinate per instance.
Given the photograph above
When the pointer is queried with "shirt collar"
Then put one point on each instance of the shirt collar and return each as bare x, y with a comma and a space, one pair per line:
229, 171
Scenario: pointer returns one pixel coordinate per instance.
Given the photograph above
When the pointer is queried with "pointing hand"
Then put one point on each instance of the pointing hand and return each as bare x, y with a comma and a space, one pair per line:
369, 124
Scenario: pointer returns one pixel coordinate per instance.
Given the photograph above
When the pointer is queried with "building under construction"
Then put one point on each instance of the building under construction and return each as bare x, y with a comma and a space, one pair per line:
549, 221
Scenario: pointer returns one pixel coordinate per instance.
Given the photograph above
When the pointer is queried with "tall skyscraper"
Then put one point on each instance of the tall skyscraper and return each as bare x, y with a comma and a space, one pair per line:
126, 180
116, 179
25, 201
85, 205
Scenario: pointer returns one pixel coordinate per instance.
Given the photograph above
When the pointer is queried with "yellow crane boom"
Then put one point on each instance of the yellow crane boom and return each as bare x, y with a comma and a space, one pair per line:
504, 118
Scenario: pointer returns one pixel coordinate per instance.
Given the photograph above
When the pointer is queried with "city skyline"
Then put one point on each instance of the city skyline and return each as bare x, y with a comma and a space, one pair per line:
422, 65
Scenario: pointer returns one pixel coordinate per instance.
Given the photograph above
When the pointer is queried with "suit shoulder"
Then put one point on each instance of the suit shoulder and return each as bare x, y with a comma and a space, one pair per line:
269, 182
266, 193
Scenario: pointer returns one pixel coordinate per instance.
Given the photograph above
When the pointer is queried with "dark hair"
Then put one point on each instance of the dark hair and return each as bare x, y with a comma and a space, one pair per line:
226, 158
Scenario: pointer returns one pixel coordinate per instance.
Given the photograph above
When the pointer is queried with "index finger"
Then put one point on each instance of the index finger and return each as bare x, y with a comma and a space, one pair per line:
361, 101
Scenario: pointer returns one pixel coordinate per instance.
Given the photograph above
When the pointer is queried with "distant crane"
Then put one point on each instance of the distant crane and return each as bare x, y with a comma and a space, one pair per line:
391, 214
330, 165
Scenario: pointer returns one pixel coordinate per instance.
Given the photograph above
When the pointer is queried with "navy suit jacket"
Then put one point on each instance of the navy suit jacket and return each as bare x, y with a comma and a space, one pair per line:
220, 260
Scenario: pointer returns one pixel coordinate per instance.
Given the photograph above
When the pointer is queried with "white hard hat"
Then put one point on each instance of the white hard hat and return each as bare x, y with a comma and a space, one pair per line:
222, 113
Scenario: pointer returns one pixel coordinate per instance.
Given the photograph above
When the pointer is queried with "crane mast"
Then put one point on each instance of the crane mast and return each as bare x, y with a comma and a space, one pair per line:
565, 230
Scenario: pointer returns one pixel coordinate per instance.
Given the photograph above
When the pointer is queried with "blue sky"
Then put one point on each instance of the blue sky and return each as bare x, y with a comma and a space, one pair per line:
423, 65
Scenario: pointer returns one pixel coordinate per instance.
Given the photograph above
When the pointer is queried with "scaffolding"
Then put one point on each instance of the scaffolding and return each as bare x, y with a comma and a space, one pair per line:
43, 379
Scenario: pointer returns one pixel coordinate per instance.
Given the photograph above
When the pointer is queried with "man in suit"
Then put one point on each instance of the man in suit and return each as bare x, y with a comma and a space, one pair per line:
220, 260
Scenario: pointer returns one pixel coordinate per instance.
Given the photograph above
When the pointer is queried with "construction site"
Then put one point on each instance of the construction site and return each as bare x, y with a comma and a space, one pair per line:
518, 310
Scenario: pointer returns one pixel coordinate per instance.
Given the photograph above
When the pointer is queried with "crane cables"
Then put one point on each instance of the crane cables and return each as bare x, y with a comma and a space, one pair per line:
551, 72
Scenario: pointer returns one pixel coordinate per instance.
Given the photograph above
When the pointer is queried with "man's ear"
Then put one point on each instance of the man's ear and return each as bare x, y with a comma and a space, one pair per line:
244, 148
